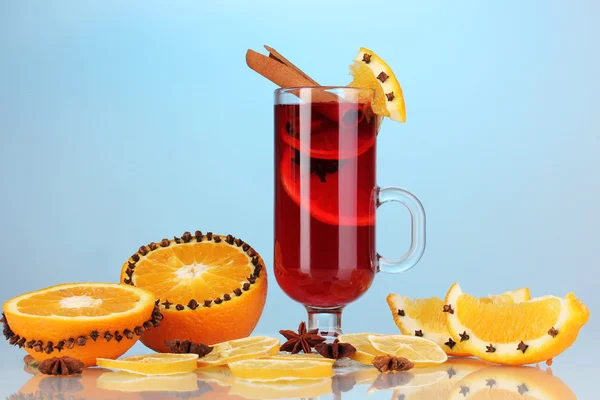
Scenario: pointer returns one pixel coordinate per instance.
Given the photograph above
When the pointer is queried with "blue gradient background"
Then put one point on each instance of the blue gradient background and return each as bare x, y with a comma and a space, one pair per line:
125, 122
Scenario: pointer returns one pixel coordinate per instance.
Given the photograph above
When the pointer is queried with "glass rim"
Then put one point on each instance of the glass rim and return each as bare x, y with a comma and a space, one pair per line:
323, 88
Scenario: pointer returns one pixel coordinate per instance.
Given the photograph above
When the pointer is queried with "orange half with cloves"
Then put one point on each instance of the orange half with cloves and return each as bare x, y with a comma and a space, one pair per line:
80, 320
212, 288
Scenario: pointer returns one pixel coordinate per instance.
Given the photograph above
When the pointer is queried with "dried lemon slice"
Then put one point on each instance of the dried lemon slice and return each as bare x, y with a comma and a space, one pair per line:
421, 352
269, 369
425, 318
301, 356
365, 352
153, 364
240, 349
515, 334
370, 71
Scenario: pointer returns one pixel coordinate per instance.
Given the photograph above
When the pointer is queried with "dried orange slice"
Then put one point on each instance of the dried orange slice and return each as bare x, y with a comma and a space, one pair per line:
421, 352
80, 320
212, 288
153, 364
370, 71
425, 318
514, 333
301, 356
365, 352
269, 369
129, 382
500, 382
240, 349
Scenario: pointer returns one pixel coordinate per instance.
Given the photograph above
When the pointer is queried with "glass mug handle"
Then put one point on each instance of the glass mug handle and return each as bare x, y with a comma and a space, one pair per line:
417, 218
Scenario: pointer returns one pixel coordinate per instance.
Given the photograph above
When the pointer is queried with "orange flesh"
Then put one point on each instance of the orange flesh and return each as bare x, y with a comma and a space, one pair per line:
202, 271
102, 301
521, 321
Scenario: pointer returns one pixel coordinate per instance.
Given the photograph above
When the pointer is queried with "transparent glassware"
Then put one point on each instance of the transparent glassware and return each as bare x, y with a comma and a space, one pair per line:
326, 199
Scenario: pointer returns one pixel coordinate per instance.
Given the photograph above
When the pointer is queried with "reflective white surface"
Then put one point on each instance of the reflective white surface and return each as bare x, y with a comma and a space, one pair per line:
456, 379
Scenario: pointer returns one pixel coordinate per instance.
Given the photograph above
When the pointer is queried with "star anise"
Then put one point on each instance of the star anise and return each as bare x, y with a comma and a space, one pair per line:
187, 346
303, 340
335, 350
61, 366
391, 363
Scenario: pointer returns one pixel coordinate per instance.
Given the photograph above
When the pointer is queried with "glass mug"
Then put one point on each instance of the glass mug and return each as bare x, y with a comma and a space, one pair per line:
326, 200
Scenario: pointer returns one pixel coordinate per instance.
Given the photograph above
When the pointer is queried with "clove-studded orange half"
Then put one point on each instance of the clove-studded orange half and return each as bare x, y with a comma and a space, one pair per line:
212, 288
80, 320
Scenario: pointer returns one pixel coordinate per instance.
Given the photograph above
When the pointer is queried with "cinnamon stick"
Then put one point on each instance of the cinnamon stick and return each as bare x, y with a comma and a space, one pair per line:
277, 56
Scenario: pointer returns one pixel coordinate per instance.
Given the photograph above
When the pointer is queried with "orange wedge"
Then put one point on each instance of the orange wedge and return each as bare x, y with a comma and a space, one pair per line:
80, 320
425, 318
514, 333
212, 288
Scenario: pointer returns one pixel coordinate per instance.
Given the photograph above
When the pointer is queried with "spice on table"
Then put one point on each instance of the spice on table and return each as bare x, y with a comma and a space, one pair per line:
391, 363
62, 366
188, 347
335, 350
303, 340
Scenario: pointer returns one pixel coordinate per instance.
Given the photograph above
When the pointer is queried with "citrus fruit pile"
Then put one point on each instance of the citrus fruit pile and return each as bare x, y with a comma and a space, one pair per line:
510, 328
191, 288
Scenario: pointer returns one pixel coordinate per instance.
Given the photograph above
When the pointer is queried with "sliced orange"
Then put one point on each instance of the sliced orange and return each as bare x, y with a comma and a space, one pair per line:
514, 333
425, 318
269, 369
370, 71
212, 288
421, 352
365, 352
153, 364
80, 320
240, 349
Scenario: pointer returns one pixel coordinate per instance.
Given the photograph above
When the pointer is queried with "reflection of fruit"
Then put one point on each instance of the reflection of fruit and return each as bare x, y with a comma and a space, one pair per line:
370, 71
212, 288
128, 382
503, 383
322, 197
425, 317
82, 386
240, 349
326, 139
421, 352
515, 334
281, 389
269, 369
438, 382
220, 374
79, 320
153, 364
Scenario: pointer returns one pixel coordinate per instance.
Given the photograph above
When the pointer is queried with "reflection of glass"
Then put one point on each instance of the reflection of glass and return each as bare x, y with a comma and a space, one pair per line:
325, 201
